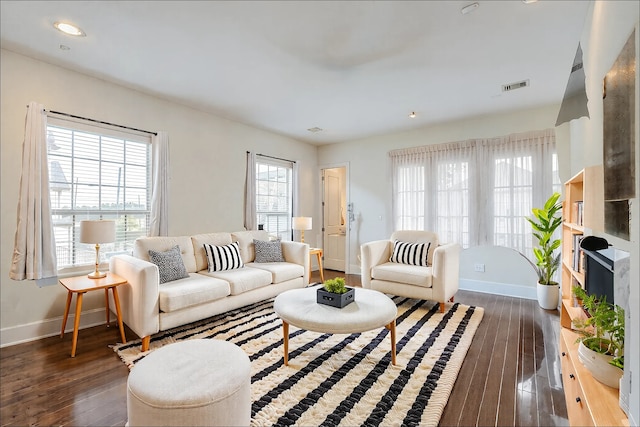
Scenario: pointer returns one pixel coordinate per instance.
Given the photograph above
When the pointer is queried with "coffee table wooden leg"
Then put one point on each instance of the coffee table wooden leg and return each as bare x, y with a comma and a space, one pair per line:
116, 299
392, 328
76, 323
66, 313
285, 331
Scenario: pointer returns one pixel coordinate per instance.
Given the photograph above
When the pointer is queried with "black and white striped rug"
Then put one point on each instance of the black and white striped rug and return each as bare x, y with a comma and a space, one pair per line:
342, 379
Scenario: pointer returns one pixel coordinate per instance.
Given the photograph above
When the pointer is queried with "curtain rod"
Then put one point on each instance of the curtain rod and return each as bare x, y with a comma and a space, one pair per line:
276, 158
98, 121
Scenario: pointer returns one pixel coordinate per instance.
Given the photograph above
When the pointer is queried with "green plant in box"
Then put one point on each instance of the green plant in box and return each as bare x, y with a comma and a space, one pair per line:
336, 286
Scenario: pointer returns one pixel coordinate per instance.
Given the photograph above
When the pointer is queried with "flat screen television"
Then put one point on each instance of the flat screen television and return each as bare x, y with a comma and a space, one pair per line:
598, 274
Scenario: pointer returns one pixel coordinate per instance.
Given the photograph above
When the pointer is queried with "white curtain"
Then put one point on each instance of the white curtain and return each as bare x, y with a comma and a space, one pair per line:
34, 252
295, 209
159, 223
475, 192
250, 193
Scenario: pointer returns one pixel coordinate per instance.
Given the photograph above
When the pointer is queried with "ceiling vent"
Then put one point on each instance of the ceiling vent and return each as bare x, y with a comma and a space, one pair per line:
514, 86
314, 130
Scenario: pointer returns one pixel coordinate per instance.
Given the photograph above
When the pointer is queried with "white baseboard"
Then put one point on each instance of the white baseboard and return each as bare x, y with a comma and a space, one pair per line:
51, 327
505, 289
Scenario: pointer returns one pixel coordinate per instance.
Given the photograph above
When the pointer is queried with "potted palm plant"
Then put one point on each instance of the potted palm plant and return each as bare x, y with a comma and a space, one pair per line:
544, 223
601, 348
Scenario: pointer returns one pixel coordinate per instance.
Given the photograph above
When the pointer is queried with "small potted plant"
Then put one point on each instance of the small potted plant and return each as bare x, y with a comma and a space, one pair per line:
601, 348
544, 223
335, 293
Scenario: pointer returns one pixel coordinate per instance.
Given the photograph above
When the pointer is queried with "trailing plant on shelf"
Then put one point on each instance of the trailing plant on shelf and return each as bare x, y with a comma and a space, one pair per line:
603, 330
336, 286
544, 223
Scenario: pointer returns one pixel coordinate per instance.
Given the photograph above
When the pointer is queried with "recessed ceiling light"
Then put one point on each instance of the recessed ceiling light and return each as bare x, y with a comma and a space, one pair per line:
69, 29
469, 8
412, 115
529, 1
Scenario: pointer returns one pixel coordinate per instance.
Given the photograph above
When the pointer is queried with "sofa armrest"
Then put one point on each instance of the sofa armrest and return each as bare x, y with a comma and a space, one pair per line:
372, 254
446, 271
298, 253
139, 298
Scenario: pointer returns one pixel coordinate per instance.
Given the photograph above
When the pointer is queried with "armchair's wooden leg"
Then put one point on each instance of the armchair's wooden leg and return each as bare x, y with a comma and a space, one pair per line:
441, 307
451, 299
145, 342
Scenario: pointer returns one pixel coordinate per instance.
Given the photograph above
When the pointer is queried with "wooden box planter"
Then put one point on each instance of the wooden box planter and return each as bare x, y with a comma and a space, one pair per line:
335, 300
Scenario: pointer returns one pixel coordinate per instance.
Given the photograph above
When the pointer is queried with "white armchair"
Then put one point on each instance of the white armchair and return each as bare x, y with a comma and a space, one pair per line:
438, 281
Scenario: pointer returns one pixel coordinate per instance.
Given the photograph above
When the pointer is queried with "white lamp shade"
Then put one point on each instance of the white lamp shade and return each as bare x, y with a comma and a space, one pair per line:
302, 223
98, 231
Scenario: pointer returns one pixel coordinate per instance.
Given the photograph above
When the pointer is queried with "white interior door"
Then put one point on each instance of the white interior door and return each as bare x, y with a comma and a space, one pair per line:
334, 217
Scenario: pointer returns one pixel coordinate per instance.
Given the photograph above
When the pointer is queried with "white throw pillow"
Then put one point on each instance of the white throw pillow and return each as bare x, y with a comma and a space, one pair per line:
222, 258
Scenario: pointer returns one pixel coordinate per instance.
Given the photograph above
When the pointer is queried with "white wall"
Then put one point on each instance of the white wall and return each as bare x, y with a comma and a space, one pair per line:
608, 26
370, 179
207, 157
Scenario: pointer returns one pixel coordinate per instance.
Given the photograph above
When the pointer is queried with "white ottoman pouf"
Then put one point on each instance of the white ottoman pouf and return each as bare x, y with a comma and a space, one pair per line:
191, 383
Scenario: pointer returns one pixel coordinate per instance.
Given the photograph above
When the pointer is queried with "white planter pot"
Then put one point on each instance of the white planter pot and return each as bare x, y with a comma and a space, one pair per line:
548, 296
599, 366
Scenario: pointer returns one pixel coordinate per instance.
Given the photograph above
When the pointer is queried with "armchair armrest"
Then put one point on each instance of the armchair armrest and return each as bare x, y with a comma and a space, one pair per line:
446, 271
371, 254
298, 253
139, 297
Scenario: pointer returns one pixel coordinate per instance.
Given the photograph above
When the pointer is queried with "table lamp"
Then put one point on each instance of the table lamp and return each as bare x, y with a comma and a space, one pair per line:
302, 223
96, 232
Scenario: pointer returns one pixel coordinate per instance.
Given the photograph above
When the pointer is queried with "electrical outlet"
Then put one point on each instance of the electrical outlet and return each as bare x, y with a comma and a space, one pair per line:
479, 267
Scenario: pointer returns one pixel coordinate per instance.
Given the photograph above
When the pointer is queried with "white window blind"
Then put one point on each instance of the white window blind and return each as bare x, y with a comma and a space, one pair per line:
97, 173
274, 196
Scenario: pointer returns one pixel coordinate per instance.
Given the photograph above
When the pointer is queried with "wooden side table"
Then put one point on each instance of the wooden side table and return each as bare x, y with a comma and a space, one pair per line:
81, 285
318, 253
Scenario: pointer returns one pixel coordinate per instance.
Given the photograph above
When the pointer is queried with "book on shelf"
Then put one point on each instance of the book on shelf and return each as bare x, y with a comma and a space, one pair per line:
576, 251
577, 212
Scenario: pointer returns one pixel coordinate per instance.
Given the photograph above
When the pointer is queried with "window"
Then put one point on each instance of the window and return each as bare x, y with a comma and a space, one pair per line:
452, 217
475, 192
512, 201
274, 201
97, 174
410, 193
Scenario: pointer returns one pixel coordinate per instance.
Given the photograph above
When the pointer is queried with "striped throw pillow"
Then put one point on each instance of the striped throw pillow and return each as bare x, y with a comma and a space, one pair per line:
410, 253
222, 258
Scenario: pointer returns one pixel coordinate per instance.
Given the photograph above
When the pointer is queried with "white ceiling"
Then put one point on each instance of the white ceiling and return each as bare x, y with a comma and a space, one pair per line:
352, 68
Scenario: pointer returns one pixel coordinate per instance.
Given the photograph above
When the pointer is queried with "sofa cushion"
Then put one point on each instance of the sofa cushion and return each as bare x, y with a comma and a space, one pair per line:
403, 273
242, 279
270, 251
221, 258
280, 271
195, 289
245, 241
142, 245
170, 264
417, 236
410, 253
199, 240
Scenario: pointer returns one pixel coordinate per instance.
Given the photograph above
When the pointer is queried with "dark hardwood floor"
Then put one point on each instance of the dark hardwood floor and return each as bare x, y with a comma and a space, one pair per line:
510, 377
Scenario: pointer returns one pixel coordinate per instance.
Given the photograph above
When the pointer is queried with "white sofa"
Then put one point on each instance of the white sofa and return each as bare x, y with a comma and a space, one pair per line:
437, 281
149, 307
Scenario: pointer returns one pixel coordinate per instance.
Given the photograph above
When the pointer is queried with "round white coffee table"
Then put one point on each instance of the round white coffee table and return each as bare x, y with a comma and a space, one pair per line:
370, 310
